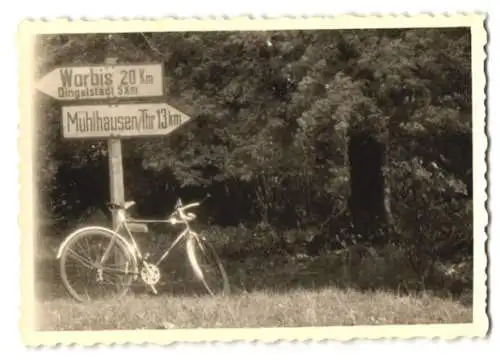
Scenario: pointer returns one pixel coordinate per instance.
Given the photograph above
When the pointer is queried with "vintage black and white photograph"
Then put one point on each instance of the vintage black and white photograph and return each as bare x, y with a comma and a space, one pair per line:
255, 177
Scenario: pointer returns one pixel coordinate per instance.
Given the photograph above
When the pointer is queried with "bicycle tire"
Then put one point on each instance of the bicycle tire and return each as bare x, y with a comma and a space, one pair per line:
106, 234
194, 242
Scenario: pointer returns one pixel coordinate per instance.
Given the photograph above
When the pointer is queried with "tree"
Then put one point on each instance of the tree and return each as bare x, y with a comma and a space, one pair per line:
286, 125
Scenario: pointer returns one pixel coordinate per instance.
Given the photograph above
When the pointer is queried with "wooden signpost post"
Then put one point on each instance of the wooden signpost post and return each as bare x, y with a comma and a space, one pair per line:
112, 119
115, 161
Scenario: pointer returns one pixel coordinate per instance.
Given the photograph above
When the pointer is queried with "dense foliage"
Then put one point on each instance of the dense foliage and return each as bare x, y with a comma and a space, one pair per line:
307, 137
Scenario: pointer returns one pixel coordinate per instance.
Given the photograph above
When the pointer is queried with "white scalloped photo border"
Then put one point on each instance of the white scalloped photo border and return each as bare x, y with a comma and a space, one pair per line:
27, 147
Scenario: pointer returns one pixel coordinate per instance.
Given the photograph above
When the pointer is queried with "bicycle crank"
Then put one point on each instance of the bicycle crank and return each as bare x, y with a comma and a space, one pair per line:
150, 274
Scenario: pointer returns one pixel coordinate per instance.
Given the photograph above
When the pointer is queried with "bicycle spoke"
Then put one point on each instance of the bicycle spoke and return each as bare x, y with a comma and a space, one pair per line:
81, 259
90, 252
84, 278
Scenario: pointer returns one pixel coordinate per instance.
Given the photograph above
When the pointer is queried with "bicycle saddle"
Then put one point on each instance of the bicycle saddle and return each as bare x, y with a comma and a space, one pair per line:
128, 204
125, 206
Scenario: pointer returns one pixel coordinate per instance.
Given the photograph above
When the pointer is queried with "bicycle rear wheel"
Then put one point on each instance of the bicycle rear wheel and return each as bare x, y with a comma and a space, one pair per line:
87, 275
207, 266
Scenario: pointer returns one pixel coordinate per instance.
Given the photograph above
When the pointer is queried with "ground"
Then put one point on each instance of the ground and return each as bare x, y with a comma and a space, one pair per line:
275, 291
324, 307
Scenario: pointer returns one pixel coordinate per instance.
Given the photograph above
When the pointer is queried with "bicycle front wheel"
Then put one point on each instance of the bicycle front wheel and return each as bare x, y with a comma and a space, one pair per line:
96, 264
207, 266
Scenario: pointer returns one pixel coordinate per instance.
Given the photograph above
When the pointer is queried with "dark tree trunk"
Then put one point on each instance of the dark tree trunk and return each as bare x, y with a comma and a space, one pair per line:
367, 199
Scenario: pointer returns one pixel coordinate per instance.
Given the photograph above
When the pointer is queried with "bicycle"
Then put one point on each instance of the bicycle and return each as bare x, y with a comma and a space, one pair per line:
135, 264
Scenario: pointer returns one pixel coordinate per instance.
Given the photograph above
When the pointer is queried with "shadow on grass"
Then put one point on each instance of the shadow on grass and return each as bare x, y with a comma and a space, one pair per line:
260, 268
277, 273
177, 278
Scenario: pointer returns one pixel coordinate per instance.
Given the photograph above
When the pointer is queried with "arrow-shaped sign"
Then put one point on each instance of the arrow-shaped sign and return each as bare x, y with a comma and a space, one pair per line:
103, 82
124, 120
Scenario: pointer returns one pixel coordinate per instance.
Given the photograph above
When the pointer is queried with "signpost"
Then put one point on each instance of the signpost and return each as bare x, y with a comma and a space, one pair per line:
103, 82
111, 82
121, 120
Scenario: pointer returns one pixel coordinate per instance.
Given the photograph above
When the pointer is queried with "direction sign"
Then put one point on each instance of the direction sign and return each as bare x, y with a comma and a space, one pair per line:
103, 82
124, 120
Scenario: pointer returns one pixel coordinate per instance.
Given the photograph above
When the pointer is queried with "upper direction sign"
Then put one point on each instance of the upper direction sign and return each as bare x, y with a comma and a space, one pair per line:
103, 82
124, 120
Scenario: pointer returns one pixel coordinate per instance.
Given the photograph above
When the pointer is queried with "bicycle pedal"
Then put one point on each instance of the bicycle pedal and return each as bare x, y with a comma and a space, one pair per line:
154, 289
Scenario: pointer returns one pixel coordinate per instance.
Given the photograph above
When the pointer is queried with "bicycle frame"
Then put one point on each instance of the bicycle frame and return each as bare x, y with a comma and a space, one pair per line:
138, 264
123, 223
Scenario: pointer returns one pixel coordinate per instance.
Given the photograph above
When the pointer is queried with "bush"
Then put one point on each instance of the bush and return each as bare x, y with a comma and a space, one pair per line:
390, 267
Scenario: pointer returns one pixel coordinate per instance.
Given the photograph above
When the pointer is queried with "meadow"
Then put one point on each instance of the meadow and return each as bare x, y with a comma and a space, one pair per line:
280, 290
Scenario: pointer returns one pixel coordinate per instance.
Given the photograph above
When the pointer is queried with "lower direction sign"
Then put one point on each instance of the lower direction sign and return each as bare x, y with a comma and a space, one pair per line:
123, 120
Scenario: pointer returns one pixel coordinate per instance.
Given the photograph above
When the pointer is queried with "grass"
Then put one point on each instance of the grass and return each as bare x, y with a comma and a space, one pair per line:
274, 291
300, 307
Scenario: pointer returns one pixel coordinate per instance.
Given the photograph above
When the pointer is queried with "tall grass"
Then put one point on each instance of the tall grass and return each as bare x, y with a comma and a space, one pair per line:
300, 307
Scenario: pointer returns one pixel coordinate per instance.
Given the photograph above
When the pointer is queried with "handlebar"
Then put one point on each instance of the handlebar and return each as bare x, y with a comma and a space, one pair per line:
188, 206
177, 216
182, 216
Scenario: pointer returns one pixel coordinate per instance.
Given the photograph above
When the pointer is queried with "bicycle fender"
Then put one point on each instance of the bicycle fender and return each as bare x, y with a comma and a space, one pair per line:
88, 228
192, 257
